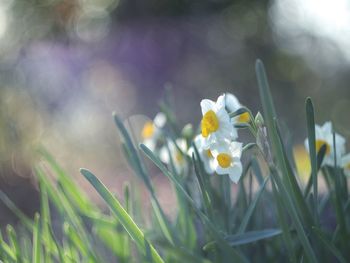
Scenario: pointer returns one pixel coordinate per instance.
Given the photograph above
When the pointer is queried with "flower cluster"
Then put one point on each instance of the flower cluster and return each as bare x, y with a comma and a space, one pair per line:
171, 151
216, 144
334, 153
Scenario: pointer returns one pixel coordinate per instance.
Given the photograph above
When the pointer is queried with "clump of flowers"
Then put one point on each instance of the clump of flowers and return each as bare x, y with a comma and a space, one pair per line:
216, 143
217, 140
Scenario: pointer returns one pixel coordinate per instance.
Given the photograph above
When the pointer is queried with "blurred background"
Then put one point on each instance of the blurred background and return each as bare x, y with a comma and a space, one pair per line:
66, 65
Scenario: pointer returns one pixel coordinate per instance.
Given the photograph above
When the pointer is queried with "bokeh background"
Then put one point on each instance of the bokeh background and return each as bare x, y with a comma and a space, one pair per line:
66, 65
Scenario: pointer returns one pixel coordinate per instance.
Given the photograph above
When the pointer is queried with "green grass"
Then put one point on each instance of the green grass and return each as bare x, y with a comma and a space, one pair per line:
271, 216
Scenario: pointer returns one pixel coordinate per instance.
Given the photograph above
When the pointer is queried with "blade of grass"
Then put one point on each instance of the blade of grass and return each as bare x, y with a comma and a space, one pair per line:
288, 190
313, 155
36, 240
224, 245
292, 183
141, 172
329, 245
66, 209
294, 215
45, 220
21, 216
251, 209
339, 208
6, 250
69, 187
288, 177
14, 243
130, 226
320, 156
284, 224
252, 236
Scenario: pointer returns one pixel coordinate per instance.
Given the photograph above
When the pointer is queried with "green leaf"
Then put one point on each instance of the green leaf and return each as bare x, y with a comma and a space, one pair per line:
288, 190
13, 241
241, 125
290, 206
36, 240
6, 250
142, 173
284, 224
292, 184
251, 208
329, 245
67, 209
130, 226
14, 209
265, 94
313, 155
252, 236
320, 156
207, 223
248, 146
140, 170
69, 188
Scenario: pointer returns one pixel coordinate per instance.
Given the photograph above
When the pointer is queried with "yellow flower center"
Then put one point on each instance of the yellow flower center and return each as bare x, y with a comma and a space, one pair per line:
178, 157
148, 130
347, 166
210, 155
320, 143
210, 123
244, 117
224, 160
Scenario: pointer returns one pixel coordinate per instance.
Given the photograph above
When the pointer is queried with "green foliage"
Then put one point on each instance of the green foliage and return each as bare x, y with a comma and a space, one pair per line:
269, 217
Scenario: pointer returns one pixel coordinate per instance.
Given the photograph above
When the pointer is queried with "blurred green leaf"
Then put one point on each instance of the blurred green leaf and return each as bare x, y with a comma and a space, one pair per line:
135, 233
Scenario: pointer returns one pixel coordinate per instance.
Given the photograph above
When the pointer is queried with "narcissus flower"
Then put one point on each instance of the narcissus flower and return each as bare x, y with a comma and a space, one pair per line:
324, 136
345, 164
232, 104
227, 159
205, 154
174, 154
216, 123
151, 130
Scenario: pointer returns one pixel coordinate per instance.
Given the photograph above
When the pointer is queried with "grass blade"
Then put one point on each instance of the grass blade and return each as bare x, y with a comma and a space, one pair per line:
141, 172
224, 245
313, 155
251, 208
294, 215
36, 240
329, 245
252, 236
130, 226
14, 209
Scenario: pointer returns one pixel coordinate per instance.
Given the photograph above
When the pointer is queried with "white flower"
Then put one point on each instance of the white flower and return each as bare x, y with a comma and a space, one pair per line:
227, 158
151, 131
216, 123
232, 104
176, 156
324, 136
205, 154
345, 164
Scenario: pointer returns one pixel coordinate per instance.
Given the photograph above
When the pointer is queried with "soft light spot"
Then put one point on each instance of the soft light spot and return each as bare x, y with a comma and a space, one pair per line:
148, 130
320, 143
210, 123
224, 160
210, 155
244, 117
